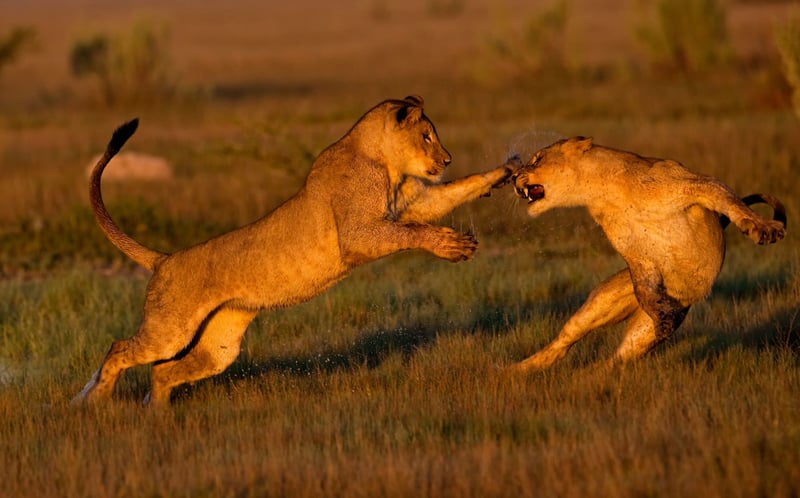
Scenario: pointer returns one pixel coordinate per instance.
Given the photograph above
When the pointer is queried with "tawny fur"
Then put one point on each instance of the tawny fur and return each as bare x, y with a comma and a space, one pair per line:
370, 194
663, 219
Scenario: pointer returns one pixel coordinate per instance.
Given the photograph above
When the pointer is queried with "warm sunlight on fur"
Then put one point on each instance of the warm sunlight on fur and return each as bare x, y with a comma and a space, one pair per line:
371, 194
664, 221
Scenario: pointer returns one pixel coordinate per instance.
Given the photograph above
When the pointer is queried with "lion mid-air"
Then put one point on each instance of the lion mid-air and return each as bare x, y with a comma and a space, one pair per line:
370, 194
664, 220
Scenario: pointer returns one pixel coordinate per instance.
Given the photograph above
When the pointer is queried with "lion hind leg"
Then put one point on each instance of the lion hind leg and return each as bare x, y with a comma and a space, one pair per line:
216, 347
611, 302
122, 355
642, 334
159, 337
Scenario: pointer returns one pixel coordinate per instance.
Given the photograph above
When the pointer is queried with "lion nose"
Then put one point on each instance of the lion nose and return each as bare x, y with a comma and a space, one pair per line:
447, 160
513, 178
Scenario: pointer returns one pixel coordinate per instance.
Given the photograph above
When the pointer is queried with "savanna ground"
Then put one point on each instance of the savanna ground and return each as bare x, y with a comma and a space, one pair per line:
390, 384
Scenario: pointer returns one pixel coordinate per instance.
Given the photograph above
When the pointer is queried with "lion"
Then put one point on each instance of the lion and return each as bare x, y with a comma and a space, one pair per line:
664, 220
371, 194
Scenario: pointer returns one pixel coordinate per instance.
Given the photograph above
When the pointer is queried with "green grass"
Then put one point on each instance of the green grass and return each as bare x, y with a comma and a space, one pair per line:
389, 386
391, 383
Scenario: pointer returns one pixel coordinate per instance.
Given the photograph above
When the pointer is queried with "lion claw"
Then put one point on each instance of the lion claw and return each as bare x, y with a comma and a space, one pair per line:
454, 246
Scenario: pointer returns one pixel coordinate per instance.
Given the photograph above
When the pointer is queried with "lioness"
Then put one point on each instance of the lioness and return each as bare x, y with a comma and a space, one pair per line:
368, 195
664, 221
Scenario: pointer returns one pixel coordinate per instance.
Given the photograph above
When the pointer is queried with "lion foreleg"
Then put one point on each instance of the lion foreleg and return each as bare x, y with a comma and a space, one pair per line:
216, 347
433, 202
716, 196
361, 242
610, 302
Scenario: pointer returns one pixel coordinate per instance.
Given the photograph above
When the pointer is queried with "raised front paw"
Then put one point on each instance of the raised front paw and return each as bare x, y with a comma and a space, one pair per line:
514, 163
763, 231
501, 175
454, 246
505, 171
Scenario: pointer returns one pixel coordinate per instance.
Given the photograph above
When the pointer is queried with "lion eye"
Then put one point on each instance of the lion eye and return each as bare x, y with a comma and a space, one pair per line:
426, 137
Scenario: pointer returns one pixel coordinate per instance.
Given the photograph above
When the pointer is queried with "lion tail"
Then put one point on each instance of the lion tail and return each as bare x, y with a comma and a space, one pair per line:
144, 256
778, 211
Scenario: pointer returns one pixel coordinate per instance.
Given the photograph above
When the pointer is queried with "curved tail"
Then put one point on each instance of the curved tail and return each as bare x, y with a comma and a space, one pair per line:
778, 211
144, 256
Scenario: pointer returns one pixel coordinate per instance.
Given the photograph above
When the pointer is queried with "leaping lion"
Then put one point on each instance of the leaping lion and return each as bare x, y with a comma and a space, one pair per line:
664, 220
370, 194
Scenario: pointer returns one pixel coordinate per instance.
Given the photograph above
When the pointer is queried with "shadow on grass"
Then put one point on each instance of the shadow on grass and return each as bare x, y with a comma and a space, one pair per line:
779, 331
743, 285
371, 349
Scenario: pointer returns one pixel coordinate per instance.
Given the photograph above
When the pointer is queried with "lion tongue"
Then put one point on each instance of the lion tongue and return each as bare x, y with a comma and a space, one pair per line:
535, 192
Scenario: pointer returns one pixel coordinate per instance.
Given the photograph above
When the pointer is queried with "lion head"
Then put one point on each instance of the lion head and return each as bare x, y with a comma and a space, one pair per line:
399, 132
550, 178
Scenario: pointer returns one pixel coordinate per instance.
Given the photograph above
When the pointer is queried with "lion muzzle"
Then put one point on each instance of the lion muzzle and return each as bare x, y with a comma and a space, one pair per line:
530, 192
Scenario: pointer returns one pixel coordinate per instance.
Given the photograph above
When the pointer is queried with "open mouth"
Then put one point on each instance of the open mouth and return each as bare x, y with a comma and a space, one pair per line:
531, 192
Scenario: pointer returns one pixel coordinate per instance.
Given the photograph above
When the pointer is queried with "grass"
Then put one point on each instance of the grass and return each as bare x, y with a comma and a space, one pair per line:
388, 384
381, 389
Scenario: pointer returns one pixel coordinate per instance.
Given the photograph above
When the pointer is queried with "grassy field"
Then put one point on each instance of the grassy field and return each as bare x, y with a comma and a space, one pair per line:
391, 383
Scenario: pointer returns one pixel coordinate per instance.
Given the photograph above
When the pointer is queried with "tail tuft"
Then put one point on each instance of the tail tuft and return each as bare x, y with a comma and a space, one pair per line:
146, 257
121, 135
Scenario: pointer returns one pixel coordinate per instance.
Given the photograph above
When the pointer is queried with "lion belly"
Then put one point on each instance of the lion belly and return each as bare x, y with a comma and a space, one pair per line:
686, 247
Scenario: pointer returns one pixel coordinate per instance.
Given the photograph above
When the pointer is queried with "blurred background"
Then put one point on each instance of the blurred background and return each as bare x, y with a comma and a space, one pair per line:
236, 98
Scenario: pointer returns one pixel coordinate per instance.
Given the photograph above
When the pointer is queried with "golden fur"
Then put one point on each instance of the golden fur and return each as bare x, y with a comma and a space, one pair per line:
664, 221
369, 195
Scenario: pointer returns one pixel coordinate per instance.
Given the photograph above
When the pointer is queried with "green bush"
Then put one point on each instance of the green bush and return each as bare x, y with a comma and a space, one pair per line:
14, 43
687, 35
446, 8
135, 67
540, 45
787, 37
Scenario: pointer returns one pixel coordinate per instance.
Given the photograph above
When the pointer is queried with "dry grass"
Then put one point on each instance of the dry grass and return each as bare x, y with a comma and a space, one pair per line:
388, 384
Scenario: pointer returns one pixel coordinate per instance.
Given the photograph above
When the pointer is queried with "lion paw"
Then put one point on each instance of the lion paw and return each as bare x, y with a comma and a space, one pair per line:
507, 170
454, 246
763, 231
501, 175
514, 163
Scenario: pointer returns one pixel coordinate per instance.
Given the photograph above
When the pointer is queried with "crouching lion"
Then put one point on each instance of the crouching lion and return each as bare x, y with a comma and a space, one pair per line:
665, 221
369, 195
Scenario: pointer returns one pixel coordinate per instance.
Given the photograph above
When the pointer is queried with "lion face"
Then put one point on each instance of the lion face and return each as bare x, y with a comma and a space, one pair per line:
416, 149
550, 178
428, 158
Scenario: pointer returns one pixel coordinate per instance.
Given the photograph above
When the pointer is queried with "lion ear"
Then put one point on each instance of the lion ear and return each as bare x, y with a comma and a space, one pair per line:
415, 100
581, 144
409, 113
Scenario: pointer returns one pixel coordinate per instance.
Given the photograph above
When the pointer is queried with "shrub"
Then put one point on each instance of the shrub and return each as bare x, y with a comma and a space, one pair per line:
14, 43
687, 35
446, 8
540, 45
135, 67
787, 38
